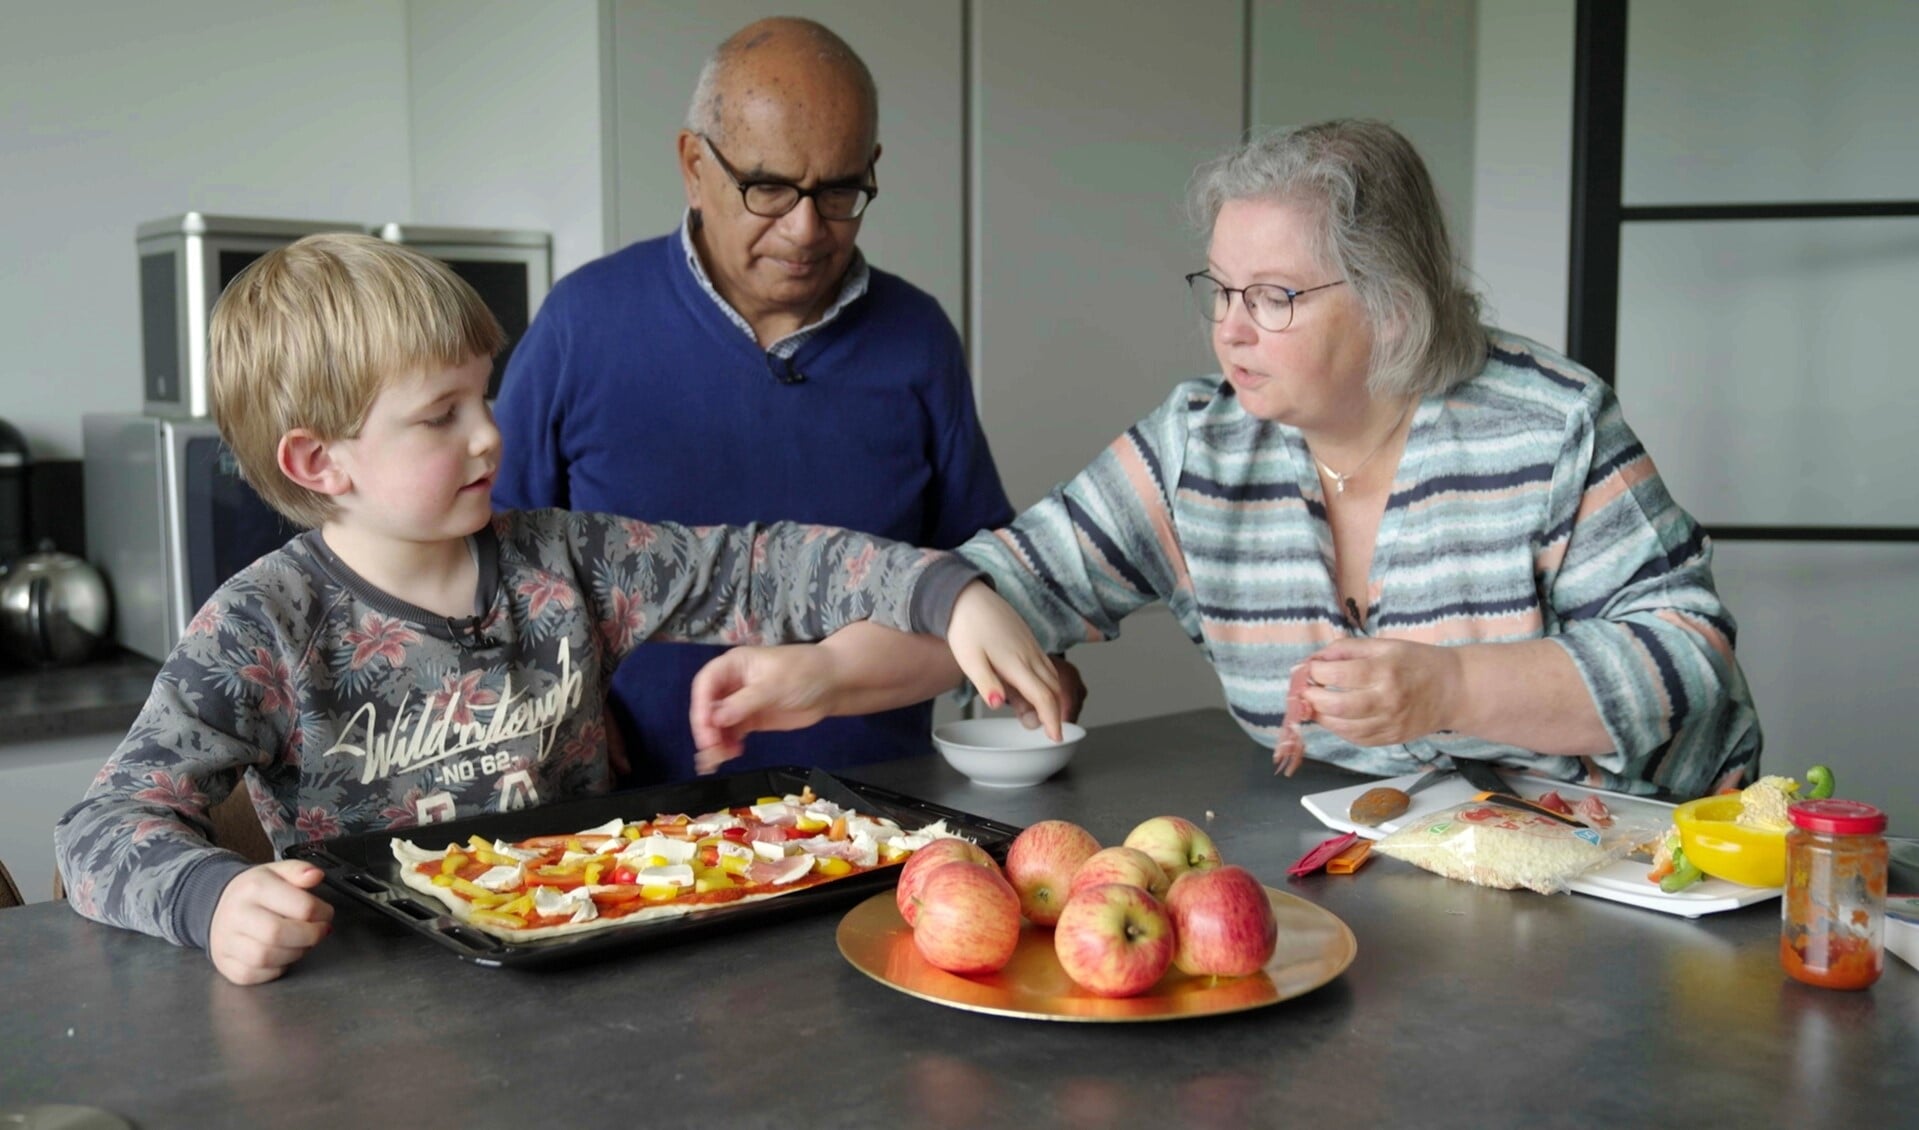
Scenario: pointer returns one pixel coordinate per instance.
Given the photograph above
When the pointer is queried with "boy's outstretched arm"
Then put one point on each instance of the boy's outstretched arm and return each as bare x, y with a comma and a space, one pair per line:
866, 667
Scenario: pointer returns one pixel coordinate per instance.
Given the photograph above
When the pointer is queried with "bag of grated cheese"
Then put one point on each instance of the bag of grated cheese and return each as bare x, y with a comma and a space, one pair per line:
1494, 845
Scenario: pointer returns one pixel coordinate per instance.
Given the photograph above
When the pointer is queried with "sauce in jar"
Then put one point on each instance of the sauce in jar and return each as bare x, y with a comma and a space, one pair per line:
1833, 916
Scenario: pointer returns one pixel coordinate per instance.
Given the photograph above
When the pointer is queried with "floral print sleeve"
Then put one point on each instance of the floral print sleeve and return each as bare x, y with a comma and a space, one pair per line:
755, 584
224, 703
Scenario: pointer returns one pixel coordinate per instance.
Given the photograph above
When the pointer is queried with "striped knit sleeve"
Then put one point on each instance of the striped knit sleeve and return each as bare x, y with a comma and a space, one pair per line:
1101, 545
1629, 576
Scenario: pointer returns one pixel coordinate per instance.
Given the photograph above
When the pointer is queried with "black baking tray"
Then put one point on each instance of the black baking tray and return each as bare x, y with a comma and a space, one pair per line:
362, 867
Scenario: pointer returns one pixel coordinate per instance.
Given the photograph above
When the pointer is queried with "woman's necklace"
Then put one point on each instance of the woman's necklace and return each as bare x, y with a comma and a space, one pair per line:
1339, 480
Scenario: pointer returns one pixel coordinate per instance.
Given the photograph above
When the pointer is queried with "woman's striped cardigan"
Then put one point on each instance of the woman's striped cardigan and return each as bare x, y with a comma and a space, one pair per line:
1523, 507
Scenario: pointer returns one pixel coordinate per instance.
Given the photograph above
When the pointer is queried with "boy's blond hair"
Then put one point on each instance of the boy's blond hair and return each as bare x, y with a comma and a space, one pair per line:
308, 335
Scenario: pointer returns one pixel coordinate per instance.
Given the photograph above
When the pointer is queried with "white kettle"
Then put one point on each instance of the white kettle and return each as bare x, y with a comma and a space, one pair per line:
54, 609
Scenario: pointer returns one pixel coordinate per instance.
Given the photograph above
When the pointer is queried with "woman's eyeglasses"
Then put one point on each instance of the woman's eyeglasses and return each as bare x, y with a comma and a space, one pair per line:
1268, 304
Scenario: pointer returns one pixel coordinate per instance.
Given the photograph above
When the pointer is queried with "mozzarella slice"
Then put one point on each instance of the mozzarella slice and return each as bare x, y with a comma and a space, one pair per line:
659, 847
503, 878
578, 903
714, 823
673, 875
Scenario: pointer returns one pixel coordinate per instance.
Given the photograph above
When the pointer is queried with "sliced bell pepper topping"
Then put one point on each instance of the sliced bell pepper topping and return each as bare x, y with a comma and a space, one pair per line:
1684, 873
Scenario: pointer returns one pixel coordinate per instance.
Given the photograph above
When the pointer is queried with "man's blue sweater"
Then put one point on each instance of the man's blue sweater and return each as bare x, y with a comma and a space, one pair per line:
634, 393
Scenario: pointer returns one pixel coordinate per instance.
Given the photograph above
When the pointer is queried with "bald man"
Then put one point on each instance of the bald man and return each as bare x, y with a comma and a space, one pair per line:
752, 367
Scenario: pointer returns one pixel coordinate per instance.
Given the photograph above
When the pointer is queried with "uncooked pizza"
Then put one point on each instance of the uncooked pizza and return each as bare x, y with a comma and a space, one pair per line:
623, 872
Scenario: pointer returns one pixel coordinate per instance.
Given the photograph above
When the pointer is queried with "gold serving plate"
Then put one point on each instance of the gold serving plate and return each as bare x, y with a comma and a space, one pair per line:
1314, 947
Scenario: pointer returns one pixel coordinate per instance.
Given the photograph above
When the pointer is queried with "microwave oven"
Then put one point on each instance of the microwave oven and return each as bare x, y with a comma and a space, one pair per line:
185, 262
168, 520
511, 270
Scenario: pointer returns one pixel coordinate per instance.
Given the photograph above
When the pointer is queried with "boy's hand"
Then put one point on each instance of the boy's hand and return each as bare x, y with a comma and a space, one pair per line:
757, 688
266, 920
994, 647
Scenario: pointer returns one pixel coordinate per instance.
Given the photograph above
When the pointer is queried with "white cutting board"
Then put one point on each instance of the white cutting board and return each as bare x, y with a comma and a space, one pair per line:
1621, 881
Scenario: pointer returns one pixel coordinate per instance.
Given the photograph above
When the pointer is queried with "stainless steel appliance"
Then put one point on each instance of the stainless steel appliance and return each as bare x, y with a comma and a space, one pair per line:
168, 519
185, 262
512, 271
54, 609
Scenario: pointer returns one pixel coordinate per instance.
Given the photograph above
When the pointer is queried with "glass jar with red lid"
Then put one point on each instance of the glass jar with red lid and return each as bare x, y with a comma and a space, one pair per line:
1833, 916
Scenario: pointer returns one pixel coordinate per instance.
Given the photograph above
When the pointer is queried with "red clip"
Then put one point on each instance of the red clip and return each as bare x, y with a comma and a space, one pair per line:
1316, 858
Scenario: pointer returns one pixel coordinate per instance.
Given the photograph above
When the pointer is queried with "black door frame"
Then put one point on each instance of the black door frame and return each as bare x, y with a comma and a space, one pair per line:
1599, 211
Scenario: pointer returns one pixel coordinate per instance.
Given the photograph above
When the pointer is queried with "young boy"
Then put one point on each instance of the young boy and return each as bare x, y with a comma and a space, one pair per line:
415, 657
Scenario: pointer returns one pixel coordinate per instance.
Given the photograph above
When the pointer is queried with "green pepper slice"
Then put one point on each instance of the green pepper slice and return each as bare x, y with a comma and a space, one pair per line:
1820, 778
1684, 873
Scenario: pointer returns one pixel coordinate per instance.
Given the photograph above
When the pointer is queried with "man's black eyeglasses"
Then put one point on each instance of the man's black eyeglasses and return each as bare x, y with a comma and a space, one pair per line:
1269, 304
775, 198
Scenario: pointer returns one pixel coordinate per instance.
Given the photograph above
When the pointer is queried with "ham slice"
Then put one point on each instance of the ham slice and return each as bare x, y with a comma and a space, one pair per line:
864, 853
1594, 812
779, 872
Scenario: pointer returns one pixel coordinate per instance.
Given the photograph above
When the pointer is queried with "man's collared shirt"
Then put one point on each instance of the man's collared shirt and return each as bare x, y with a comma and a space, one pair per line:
851, 290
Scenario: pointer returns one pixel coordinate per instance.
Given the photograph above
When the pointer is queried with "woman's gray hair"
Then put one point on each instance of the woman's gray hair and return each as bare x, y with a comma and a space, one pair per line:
1379, 227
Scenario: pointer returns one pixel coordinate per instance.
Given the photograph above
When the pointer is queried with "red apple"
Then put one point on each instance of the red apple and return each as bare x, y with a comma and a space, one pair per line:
1041, 864
1114, 940
1224, 921
921, 863
968, 919
1175, 843
1121, 865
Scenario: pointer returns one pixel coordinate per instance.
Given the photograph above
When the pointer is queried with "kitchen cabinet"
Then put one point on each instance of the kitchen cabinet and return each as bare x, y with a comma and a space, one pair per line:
39, 781
58, 726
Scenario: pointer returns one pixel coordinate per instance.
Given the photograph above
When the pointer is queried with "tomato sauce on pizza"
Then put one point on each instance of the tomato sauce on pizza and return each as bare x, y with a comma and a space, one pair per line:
667, 866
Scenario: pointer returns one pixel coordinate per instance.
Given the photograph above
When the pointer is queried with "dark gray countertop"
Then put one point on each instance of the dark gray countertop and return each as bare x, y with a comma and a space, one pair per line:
1465, 1008
100, 696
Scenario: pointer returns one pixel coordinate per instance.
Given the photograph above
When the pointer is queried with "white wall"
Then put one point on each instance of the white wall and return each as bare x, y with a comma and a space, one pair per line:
120, 111
1522, 164
504, 102
1407, 62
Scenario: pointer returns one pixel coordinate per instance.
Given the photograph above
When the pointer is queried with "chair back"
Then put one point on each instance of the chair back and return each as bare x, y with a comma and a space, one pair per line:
9, 892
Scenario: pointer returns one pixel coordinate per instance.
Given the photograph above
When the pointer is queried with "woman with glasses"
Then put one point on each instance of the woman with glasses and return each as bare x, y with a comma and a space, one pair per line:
1425, 536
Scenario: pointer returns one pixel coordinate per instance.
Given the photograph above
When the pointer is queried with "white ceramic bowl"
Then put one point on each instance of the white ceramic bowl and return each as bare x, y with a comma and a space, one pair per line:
1002, 754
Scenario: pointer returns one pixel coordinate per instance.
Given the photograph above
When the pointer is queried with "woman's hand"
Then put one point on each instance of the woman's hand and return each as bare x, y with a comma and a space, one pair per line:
266, 920
1375, 692
1289, 750
1072, 692
995, 649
